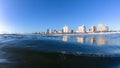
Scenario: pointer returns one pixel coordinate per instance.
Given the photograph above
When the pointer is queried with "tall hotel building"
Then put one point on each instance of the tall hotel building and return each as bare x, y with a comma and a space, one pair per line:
65, 29
93, 29
81, 29
102, 28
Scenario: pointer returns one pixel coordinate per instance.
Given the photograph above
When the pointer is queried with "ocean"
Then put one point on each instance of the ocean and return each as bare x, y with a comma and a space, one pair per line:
59, 51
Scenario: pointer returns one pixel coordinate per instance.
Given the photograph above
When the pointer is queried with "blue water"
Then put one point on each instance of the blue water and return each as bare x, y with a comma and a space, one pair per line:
60, 51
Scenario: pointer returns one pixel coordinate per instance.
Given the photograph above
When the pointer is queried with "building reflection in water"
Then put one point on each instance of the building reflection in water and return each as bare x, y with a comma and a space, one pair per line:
65, 38
102, 41
92, 40
80, 39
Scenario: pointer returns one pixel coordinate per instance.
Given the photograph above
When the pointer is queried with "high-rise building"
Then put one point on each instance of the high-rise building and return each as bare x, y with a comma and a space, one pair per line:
47, 32
72, 31
81, 29
53, 31
93, 29
65, 29
102, 28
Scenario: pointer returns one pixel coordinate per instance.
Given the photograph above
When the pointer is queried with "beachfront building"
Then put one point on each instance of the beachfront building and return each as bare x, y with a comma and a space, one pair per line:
54, 31
71, 31
81, 29
47, 32
65, 29
92, 29
102, 28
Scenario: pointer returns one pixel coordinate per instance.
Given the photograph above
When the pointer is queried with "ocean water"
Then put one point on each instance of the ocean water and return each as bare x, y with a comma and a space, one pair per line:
60, 51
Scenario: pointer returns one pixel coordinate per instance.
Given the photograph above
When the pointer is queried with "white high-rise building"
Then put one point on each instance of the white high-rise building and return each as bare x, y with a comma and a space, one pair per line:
93, 29
102, 28
65, 29
81, 29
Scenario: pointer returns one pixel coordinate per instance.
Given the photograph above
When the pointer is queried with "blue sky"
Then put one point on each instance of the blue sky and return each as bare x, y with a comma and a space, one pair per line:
38, 15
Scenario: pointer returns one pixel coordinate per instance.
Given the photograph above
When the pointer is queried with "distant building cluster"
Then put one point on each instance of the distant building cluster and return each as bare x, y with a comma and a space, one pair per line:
102, 28
81, 29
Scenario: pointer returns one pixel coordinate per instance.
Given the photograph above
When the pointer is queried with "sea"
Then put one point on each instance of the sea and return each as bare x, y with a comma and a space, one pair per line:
60, 51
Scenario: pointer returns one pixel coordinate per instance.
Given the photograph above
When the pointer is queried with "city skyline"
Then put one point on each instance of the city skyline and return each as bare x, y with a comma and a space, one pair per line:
38, 15
81, 29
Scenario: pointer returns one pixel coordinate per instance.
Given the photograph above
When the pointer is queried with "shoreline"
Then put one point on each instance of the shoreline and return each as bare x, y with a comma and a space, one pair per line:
100, 33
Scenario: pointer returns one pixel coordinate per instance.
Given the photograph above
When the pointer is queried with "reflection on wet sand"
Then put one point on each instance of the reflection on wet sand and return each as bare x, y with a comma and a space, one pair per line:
80, 39
65, 38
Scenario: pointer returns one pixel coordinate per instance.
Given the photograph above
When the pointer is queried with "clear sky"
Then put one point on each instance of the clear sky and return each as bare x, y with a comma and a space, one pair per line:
38, 15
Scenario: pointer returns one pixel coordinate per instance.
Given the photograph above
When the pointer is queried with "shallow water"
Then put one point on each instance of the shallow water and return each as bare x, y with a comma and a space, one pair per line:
60, 51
